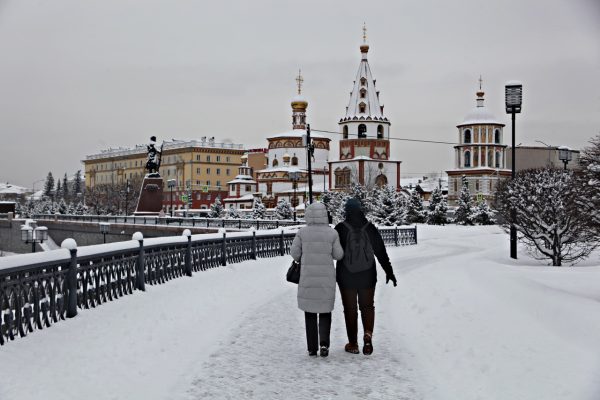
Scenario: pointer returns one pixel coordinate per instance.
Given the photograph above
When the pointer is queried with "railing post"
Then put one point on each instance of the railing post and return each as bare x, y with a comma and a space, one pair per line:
281, 245
253, 243
239, 224
277, 224
415, 234
257, 224
71, 245
396, 234
223, 248
140, 282
188, 252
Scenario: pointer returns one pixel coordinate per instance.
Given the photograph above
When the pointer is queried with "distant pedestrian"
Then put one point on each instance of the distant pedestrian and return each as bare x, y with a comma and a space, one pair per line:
357, 275
316, 246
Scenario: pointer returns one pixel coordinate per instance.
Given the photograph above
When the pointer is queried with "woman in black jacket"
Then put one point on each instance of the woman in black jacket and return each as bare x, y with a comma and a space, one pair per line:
360, 285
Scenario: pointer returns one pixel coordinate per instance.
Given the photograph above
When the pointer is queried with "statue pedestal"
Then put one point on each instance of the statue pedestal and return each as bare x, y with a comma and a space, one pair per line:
151, 196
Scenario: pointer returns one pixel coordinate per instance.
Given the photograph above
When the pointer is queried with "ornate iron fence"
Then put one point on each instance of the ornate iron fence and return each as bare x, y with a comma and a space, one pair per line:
36, 295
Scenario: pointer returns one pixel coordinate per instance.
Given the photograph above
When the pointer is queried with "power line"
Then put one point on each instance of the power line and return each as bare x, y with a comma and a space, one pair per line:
392, 138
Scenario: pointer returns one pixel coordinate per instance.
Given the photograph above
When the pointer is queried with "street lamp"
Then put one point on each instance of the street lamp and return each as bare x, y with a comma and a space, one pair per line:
294, 177
565, 155
33, 235
127, 188
104, 228
514, 99
171, 183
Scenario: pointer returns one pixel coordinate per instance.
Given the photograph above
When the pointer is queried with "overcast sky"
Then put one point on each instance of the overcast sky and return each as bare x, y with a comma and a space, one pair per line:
80, 76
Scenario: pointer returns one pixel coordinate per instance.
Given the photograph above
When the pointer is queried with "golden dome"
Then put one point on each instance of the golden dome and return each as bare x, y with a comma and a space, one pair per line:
364, 48
299, 103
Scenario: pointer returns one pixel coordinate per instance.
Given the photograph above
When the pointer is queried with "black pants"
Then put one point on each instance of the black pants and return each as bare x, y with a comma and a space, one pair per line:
367, 310
313, 332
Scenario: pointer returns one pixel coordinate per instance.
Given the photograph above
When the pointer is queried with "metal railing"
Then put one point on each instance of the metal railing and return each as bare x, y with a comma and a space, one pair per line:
35, 294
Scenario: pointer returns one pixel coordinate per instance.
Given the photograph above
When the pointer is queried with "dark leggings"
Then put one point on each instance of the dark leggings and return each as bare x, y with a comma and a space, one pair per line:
367, 310
313, 332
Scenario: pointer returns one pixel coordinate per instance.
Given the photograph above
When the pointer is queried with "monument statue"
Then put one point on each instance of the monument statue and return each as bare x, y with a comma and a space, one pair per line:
154, 158
151, 193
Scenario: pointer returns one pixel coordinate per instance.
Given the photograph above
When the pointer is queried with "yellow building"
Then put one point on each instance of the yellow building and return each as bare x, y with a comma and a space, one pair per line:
201, 168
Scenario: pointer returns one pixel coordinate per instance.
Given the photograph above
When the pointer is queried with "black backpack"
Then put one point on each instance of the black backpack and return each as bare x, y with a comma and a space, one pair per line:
358, 253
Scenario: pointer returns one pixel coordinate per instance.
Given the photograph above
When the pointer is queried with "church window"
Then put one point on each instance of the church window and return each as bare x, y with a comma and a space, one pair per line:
497, 159
490, 158
275, 163
342, 177
497, 136
467, 136
476, 157
380, 132
381, 180
477, 185
345, 132
248, 188
362, 131
362, 107
363, 93
363, 81
467, 159
294, 160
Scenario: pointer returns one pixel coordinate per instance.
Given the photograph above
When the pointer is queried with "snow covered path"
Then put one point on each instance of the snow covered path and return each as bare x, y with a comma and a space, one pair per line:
465, 322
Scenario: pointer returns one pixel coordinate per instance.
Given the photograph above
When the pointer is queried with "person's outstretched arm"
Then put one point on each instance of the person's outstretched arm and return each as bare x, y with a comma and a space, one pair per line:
381, 254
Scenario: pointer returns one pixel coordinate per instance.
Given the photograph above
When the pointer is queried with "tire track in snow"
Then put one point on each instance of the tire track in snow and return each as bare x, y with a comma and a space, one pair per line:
265, 357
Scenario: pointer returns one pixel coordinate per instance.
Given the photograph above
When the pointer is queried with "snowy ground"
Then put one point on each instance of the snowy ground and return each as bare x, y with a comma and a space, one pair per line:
465, 322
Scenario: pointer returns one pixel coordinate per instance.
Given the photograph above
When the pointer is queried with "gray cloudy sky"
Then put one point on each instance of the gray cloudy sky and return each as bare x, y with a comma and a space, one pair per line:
80, 76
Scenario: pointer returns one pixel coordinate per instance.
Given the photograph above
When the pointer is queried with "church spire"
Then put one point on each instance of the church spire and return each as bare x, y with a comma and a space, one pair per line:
364, 47
299, 105
480, 93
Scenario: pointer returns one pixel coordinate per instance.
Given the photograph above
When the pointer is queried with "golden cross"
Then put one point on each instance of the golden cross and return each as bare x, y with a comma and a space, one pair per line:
364, 32
480, 82
299, 81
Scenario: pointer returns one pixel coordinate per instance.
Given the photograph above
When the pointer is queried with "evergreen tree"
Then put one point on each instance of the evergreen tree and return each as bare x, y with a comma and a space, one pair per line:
80, 209
415, 213
464, 211
438, 207
232, 212
65, 188
49, 185
387, 207
71, 209
258, 209
362, 194
483, 214
589, 181
284, 210
77, 183
61, 207
59, 192
216, 209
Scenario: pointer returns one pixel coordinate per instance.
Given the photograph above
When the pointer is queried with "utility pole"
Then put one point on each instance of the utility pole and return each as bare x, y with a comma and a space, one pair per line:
309, 151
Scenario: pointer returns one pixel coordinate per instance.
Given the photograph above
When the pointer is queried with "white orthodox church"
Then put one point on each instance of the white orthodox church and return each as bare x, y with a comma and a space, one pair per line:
480, 156
364, 151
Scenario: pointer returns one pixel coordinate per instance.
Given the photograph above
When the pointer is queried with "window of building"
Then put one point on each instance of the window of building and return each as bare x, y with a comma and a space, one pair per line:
477, 185
207, 158
275, 162
498, 158
467, 158
363, 82
198, 170
168, 172
455, 185
248, 188
269, 188
497, 136
467, 136
362, 131
363, 93
228, 159
208, 170
218, 185
380, 132
197, 183
208, 184
362, 107
294, 160
218, 158
342, 177
345, 132
227, 172
218, 171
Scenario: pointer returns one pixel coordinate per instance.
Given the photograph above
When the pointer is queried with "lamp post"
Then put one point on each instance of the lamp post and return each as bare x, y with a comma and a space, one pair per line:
307, 142
32, 235
127, 188
565, 155
514, 100
294, 176
325, 171
104, 229
171, 183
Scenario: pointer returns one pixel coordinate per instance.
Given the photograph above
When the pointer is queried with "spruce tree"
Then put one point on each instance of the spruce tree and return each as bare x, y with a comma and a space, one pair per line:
387, 207
438, 207
77, 183
483, 214
49, 185
284, 210
232, 212
464, 211
59, 192
258, 209
216, 209
415, 213
65, 188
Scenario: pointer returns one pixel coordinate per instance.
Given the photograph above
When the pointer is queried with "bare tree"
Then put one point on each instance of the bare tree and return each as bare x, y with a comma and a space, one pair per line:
547, 216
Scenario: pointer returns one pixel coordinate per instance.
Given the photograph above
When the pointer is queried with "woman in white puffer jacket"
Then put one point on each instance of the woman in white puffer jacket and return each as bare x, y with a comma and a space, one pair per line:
316, 246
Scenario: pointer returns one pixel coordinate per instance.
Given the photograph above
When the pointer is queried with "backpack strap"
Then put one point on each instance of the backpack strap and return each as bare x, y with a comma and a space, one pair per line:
365, 226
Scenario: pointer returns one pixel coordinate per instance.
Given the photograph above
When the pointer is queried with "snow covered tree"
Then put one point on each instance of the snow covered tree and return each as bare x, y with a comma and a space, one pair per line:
284, 210
49, 185
334, 202
387, 207
65, 188
464, 212
589, 180
232, 212
61, 207
415, 211
258, 209
548, 217
363, 195
77, 187
483, 215
58, 193
80, 209
437, 209
216, 209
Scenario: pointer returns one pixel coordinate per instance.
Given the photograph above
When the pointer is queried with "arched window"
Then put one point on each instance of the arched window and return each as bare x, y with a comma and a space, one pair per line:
345, 132
497, 136
467, 159
380, 132
363, 81
363, 93
381, 180
362, 108
498, 158
362, 131
467, 136
294, 160
275, 162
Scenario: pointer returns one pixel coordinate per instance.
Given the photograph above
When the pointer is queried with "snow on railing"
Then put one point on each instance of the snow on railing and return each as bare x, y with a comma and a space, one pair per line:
39, 289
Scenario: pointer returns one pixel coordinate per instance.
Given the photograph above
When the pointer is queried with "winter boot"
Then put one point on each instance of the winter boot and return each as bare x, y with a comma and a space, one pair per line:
324, 351
312, 353
352, 348
368, 344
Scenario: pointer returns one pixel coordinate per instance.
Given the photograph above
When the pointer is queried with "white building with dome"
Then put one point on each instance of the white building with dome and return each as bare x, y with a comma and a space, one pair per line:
364, 151
480, 156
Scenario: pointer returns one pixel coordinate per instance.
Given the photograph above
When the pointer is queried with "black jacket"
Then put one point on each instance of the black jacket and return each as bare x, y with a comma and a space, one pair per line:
368, 278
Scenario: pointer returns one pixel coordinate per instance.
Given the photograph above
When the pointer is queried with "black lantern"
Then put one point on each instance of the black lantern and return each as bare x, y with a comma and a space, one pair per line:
565, 155
514, 99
